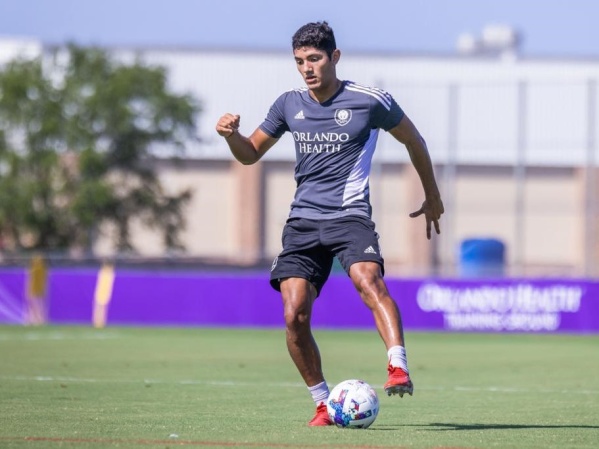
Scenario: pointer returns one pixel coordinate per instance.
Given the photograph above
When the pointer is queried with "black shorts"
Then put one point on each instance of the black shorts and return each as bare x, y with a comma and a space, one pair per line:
310, 246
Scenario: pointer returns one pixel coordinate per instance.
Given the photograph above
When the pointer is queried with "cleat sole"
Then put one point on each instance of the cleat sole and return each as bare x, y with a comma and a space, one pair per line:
400, 390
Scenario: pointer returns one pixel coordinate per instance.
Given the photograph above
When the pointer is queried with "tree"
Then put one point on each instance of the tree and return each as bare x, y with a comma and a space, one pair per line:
79, 134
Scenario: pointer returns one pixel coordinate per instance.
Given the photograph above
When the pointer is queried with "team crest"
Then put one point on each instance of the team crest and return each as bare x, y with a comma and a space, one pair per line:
342, 116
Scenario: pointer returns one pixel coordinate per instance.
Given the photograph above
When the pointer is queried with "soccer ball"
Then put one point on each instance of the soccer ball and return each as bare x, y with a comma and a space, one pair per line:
353, 404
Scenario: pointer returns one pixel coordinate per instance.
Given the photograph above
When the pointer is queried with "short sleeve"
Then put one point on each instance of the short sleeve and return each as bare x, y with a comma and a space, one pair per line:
275, 124
386, 113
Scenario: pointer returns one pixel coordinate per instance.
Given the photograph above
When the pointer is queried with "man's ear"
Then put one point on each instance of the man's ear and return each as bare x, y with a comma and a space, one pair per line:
336, 56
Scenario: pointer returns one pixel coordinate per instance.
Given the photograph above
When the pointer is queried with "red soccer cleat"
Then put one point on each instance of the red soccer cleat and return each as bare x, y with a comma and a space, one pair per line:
321, 418
398, 382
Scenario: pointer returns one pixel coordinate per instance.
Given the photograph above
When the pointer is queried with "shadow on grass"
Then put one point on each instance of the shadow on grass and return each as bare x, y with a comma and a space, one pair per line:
444, 427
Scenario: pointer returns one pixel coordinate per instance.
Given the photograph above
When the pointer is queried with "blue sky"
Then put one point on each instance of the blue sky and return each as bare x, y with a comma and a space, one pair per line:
549, 27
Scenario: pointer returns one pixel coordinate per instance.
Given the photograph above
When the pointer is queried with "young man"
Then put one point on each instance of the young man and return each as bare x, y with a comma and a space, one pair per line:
335, 125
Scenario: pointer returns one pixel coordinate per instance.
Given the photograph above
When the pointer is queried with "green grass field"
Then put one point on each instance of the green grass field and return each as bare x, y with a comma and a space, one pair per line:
78, 387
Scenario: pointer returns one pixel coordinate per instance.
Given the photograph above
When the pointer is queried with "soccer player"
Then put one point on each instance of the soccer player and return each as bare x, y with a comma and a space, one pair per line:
335, 125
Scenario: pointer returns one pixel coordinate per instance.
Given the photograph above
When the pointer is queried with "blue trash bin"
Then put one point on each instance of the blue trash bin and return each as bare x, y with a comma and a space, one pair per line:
482, 257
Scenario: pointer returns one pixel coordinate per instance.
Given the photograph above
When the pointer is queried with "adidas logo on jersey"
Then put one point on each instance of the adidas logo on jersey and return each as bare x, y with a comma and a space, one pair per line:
369, 250
300, 115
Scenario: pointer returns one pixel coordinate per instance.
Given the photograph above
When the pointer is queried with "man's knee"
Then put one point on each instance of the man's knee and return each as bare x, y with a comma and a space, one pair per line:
298, 296
367, 278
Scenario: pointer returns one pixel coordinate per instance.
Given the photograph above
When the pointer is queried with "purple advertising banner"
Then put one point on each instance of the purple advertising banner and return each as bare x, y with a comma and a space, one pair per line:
166, 298
507, 305
12, 296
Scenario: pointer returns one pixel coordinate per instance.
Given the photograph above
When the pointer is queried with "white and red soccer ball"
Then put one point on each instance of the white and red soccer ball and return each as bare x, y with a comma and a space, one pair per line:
353, 404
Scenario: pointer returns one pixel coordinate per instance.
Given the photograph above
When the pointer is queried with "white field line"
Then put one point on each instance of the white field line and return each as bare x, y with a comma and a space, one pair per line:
237, 384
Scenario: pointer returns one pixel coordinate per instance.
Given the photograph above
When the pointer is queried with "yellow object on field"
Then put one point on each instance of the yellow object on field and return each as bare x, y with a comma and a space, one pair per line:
38, 278
103, 294
37, 281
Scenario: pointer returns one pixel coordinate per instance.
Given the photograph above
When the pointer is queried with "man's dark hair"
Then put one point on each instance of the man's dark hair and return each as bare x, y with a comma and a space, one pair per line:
315, 34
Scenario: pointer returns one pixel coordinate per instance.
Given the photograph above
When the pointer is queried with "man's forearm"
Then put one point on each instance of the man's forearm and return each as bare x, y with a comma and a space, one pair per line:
422, 163
242, 148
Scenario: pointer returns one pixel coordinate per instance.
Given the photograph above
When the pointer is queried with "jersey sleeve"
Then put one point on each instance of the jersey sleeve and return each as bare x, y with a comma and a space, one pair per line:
386, 113
275, 124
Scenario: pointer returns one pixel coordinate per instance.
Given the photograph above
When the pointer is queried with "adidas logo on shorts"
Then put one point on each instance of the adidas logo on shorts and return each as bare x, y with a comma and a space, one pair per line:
369, 250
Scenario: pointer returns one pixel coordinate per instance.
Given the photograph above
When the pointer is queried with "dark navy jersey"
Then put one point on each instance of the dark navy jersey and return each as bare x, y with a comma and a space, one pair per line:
334, 145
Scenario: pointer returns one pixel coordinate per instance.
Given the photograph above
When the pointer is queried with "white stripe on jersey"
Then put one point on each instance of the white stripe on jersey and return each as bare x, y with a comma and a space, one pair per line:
382, 96
298, 89
356, 186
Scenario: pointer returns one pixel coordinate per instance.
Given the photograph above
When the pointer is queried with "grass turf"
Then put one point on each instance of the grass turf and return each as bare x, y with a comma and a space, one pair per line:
78, 387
